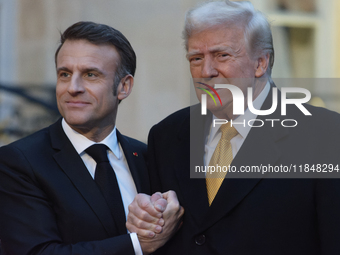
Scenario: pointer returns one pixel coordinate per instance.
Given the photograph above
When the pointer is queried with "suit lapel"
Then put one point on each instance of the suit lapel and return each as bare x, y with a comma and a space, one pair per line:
71, 163
135, 159
191, 138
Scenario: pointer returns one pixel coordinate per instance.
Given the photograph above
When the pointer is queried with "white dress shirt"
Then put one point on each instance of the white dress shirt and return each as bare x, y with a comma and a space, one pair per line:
118, 162
243, 130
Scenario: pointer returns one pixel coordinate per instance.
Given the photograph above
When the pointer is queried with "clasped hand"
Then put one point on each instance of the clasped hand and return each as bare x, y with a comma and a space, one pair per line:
155, 219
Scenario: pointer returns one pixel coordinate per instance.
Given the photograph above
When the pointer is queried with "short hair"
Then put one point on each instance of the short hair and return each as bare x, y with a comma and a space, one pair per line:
257, 32
100, 34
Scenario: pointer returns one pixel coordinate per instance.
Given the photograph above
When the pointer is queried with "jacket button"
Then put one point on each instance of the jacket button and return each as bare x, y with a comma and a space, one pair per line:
200, 240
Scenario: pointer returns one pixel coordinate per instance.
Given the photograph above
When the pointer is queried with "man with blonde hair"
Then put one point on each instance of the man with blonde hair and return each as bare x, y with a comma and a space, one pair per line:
231, 43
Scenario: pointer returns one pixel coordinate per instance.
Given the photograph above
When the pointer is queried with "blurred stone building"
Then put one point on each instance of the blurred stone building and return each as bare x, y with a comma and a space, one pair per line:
306, 41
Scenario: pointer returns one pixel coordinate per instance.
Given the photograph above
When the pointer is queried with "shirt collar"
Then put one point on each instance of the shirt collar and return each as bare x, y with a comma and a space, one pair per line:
248, 115
81, 143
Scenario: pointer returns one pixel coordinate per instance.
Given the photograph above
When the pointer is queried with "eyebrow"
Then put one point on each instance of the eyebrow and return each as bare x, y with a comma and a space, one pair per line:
84, 70
91, 69
190, 54
211, 50
63, 69
219, 48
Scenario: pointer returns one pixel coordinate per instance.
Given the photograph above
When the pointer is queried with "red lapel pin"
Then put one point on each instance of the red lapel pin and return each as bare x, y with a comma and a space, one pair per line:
135, 154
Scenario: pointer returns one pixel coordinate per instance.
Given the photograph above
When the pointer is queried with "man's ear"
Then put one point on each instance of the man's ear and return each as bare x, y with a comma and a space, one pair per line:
125, 87
262, 64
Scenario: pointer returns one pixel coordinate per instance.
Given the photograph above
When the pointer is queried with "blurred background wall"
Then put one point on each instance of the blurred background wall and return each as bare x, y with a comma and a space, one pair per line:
306, 41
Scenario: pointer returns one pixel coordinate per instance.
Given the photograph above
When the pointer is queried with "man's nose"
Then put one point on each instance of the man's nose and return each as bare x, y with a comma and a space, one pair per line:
76, 85
208, 68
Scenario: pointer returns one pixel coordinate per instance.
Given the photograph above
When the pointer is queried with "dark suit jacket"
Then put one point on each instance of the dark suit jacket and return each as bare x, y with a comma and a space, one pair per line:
252, 216
51, 205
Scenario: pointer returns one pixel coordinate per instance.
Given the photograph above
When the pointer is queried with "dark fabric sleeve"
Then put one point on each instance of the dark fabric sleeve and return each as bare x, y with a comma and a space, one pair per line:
155, 181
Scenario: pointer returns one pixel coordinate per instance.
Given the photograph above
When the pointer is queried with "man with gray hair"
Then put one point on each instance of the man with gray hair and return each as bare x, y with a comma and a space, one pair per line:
231, 43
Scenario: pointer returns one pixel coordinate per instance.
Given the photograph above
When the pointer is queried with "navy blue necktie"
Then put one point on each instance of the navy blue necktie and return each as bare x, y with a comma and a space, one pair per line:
106, 180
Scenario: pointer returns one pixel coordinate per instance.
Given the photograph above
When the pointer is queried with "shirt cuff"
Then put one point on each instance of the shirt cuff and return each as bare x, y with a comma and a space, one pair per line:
136, 244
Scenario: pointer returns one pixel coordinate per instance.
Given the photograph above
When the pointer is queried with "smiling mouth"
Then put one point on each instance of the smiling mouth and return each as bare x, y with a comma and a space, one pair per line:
76, 103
